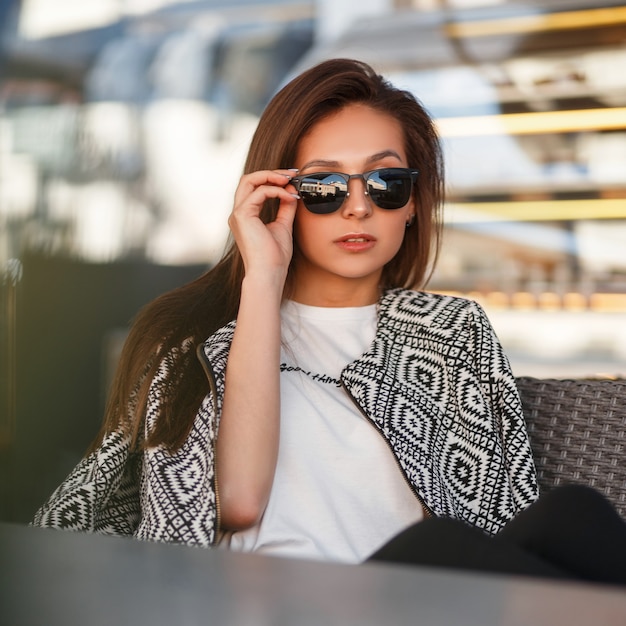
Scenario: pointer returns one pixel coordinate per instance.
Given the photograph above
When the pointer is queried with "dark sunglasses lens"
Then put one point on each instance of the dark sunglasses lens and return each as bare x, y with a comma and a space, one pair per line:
390, 188
323, 193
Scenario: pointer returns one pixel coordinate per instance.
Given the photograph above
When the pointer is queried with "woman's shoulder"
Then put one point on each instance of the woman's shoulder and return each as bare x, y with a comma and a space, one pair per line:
215, 349
409, 304
221, 337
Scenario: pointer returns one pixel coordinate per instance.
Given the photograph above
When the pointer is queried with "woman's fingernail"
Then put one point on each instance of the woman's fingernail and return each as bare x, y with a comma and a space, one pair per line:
296, 196
294, 169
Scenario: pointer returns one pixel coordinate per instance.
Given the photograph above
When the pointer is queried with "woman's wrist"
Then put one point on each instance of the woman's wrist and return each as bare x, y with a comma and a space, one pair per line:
269, 286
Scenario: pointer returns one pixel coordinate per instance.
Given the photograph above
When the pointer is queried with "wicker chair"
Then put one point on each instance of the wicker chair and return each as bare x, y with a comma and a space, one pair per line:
577, 430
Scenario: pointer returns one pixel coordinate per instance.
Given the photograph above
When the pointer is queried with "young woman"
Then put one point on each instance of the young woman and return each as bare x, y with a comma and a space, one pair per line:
301, 398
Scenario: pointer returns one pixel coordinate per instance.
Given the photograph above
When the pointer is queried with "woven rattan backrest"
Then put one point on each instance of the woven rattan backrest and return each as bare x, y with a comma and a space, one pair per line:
577, 430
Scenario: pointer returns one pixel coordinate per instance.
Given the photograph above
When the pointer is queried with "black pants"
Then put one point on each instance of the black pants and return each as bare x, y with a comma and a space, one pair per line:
571, 532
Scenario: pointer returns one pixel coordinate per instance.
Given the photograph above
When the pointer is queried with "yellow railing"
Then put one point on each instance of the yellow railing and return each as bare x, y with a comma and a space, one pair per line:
548, 300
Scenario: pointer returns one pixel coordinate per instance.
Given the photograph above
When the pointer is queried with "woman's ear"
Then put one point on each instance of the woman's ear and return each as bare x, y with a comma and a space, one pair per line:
411, 213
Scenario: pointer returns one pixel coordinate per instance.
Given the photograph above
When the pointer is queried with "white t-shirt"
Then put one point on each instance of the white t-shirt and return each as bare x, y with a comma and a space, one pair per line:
338, 493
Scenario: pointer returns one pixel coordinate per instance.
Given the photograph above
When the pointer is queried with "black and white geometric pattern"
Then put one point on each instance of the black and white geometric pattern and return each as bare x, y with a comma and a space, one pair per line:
435, 383
100, 494
438, 387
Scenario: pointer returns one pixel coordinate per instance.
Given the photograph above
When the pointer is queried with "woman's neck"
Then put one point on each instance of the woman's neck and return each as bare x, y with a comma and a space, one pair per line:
341, 294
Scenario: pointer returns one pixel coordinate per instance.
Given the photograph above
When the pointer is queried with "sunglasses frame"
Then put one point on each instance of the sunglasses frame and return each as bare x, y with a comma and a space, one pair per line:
296, 181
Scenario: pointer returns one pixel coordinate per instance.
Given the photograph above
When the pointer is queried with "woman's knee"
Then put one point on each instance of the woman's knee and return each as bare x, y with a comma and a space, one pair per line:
432, 536
567, 510
572, 500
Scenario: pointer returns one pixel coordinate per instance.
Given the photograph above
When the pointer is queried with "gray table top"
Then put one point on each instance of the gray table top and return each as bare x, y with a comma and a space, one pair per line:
51, 578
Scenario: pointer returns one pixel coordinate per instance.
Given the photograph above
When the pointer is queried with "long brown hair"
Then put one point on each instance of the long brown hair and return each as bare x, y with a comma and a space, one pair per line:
190, 314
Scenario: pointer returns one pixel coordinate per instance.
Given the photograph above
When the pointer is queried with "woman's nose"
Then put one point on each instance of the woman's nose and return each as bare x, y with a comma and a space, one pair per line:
357, 202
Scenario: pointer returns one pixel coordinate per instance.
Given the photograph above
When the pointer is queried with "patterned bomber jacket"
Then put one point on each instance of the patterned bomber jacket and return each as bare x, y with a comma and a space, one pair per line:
435, 383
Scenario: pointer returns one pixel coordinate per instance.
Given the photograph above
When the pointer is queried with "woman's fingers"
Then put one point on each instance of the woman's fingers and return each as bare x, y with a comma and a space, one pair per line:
262, 180
262, 245
253, 202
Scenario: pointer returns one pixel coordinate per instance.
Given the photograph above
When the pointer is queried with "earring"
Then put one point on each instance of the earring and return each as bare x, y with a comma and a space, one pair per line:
410, 221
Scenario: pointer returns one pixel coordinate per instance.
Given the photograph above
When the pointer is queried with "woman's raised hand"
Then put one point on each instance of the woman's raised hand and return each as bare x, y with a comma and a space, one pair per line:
247, 444
266, 248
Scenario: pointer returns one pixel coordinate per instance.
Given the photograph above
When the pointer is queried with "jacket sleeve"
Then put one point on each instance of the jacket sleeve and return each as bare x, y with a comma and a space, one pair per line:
179, 499
154, 493
100, 494
178, 491
499, 388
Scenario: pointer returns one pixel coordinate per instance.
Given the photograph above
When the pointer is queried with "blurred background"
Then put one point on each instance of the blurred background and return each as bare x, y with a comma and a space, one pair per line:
123, 129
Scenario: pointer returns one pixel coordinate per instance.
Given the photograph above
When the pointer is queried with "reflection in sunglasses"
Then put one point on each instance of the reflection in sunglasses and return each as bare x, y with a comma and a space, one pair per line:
324, 192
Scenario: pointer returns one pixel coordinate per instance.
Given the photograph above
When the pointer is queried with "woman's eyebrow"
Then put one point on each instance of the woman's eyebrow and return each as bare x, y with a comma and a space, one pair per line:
378, 156
320, 163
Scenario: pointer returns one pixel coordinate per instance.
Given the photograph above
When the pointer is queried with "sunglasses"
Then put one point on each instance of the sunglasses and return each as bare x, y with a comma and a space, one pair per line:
324, 192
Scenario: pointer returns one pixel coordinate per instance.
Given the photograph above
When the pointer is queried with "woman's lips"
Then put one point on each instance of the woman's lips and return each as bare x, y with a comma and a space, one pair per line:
356, 242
